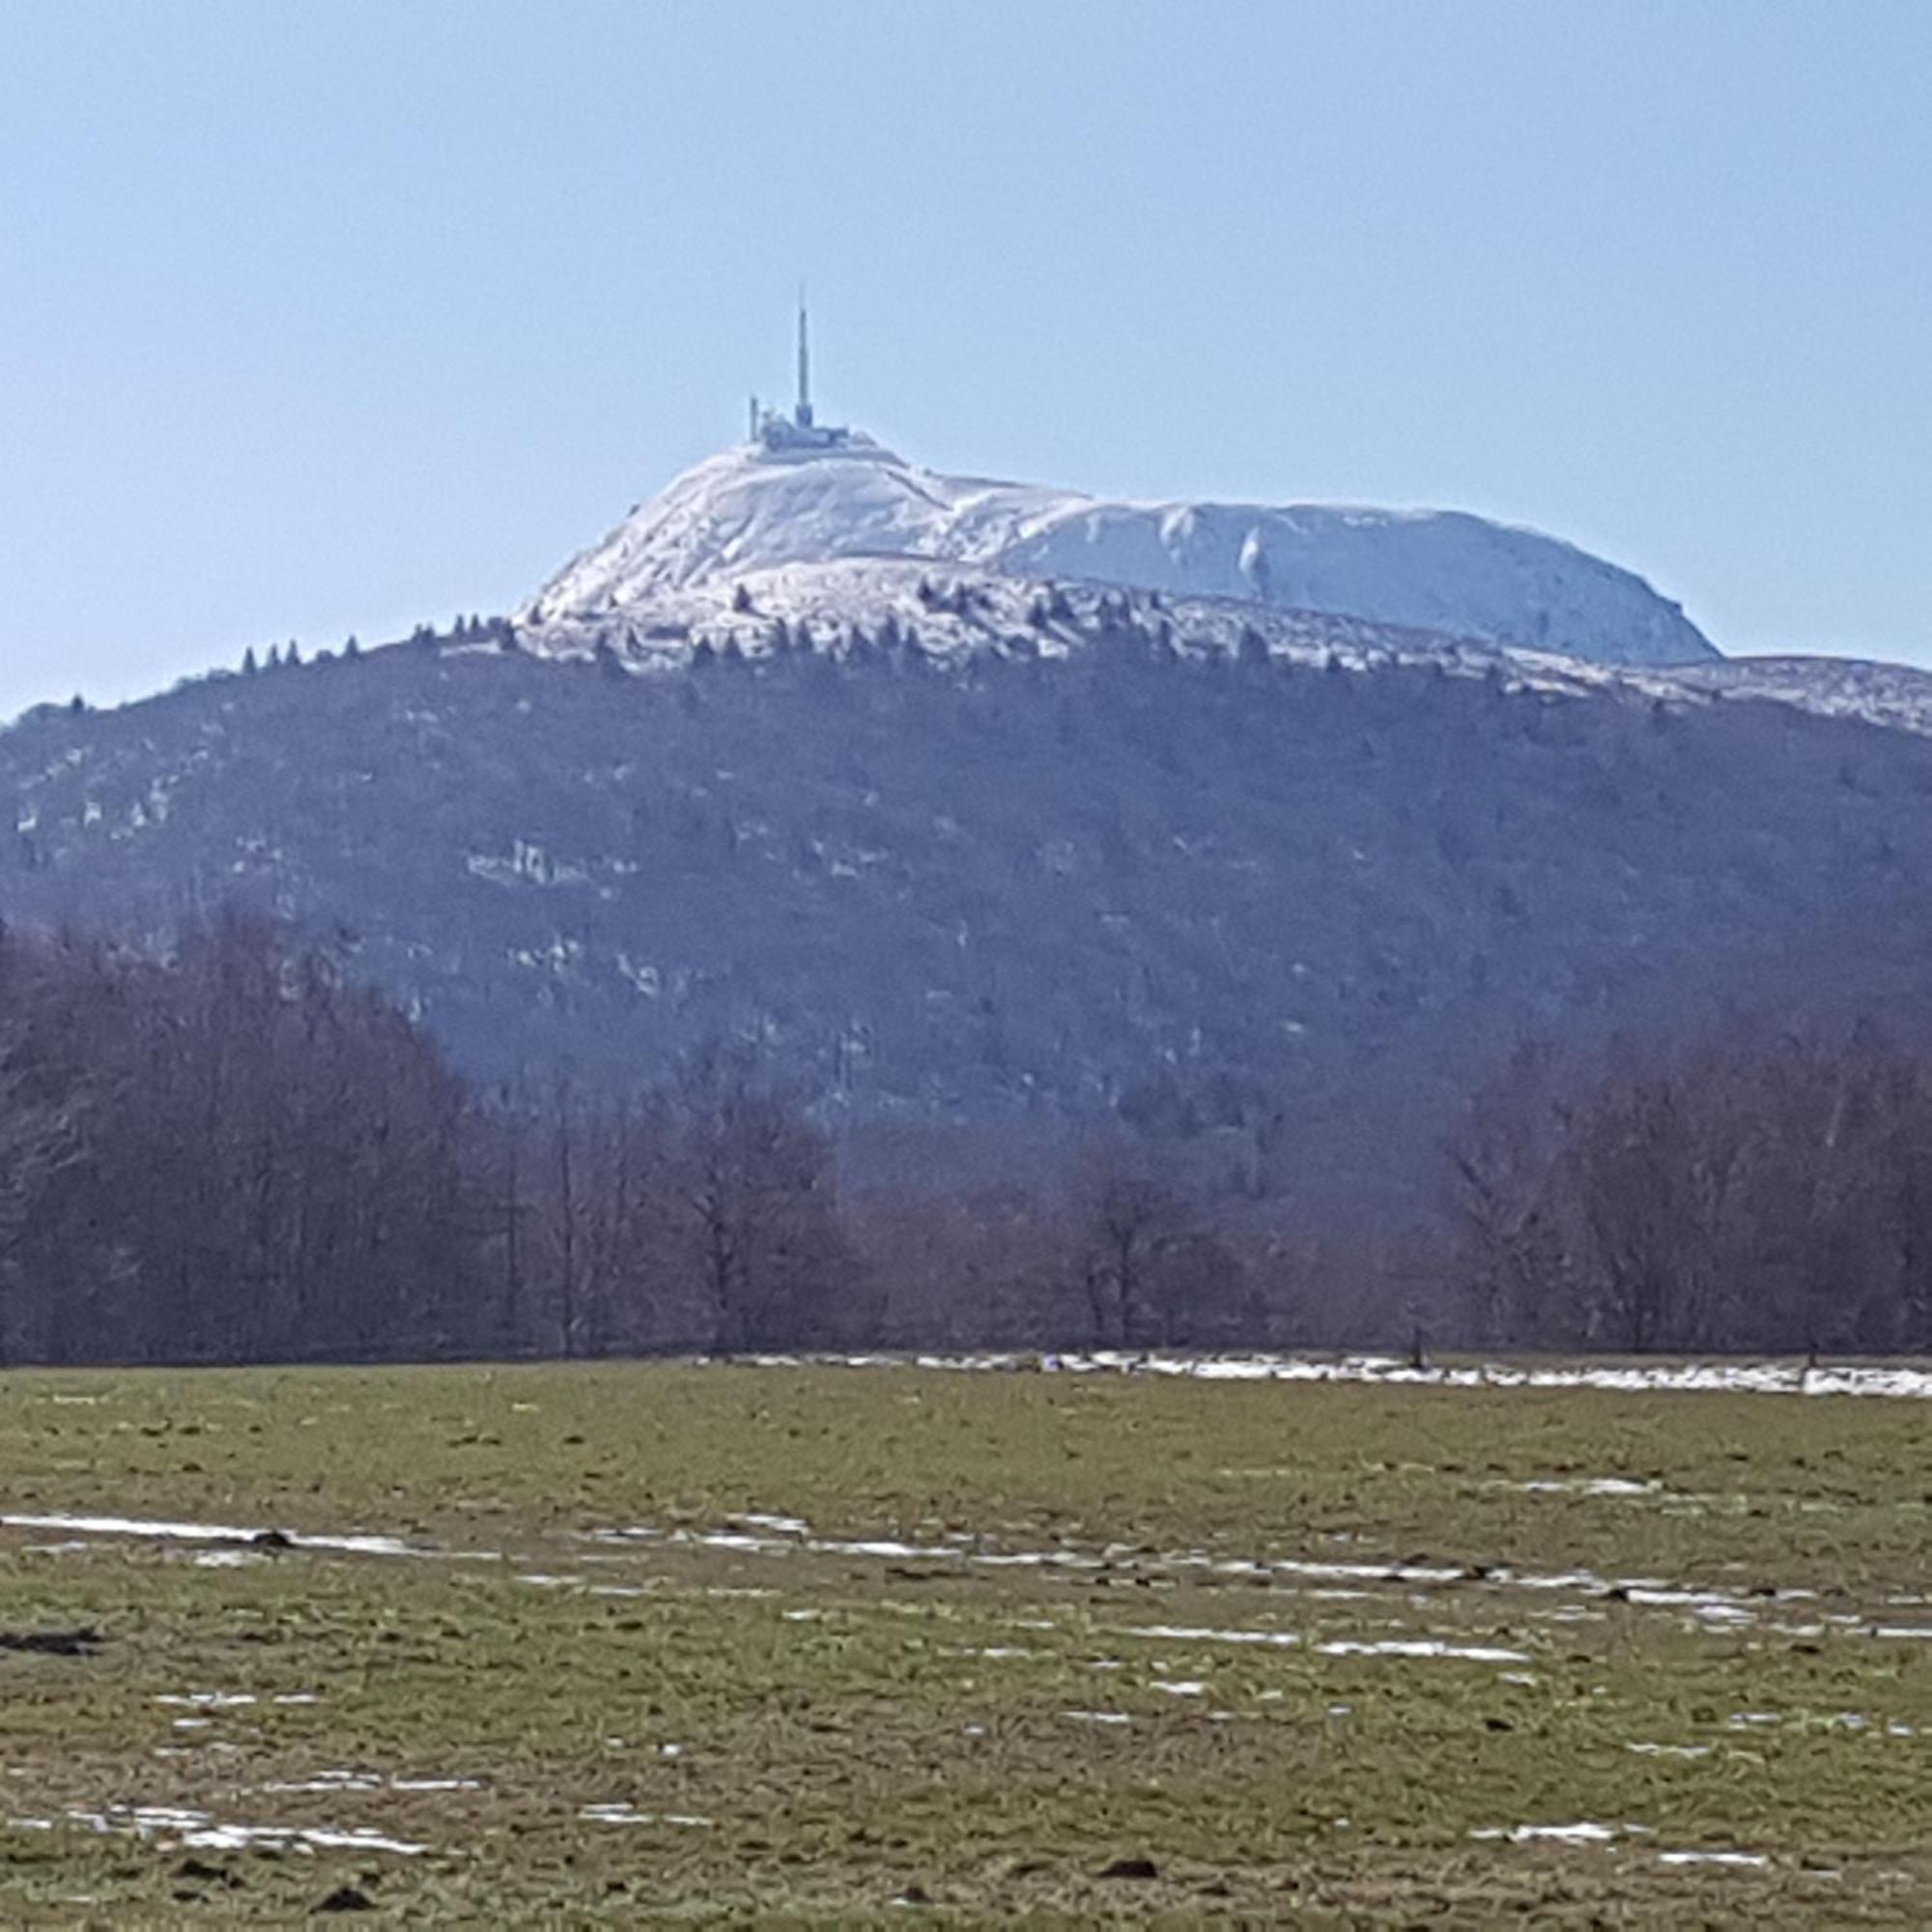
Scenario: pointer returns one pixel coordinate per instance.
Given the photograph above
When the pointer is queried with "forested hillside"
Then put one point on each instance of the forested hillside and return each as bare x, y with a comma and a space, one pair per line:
1278, 917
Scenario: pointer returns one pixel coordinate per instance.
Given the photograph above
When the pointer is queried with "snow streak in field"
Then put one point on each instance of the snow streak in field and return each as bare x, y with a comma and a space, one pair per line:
1760, 1377
162, 1530
199, 1832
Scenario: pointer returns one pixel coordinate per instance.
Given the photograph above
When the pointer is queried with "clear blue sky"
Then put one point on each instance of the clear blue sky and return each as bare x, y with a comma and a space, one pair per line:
332, 317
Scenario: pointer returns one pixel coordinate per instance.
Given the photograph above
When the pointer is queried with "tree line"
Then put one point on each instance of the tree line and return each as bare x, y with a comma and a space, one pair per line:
1765, 1190
235, 1155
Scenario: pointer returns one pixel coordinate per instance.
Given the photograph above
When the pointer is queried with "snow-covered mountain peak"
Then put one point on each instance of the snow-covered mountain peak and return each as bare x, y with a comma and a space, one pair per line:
754, 508
758, 507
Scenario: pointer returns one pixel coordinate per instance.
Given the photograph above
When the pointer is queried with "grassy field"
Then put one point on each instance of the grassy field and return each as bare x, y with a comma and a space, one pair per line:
840, 1644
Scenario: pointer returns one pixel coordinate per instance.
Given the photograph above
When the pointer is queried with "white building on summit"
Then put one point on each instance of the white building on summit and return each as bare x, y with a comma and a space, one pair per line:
778, 431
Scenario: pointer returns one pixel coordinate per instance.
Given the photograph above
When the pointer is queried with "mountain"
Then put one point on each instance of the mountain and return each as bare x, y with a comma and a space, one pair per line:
985, 816
772, 520
1276, 895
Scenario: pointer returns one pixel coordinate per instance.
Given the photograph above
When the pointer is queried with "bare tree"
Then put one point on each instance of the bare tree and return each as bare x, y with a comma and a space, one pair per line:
763, 1243
1153, 1274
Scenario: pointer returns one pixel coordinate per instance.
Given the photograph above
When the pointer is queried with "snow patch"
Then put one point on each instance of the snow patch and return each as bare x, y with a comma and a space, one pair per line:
1471, 1653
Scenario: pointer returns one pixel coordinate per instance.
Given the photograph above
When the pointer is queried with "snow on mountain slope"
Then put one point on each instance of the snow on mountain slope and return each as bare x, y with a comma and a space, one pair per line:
752, 510
1898, 696
955, 610
1429, 569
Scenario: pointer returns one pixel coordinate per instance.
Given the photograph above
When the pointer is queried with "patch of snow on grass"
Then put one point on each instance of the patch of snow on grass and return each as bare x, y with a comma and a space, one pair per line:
209, 1532
199, 1832
1752, 1378
626, 1814
1191, 1633
1583, 1832
1472, 1653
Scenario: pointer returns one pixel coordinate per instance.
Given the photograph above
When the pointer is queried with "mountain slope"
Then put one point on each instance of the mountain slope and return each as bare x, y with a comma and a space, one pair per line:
752, 510
1283, 904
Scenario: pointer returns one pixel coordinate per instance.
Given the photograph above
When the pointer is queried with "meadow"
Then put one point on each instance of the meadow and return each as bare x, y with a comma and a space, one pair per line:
574, 1643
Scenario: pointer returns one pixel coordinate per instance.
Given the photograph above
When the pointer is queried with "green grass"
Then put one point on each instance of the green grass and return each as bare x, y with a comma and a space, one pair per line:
833, 1715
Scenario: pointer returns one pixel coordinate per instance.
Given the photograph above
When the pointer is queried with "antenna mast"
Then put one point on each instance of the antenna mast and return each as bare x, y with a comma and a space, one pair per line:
804, 417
